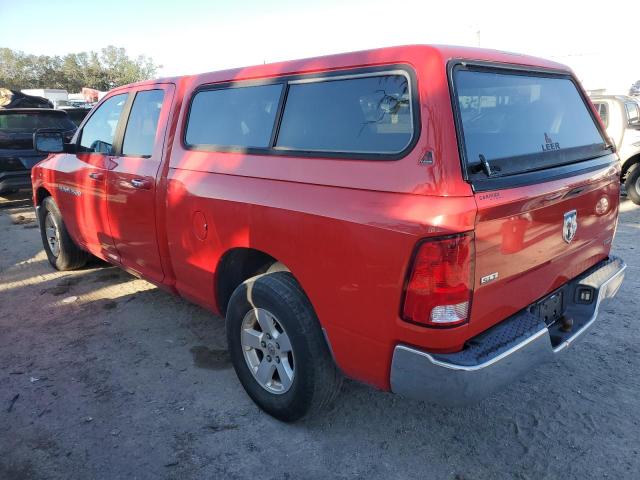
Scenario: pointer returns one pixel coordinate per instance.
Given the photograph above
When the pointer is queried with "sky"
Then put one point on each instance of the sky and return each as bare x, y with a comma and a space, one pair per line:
191, 36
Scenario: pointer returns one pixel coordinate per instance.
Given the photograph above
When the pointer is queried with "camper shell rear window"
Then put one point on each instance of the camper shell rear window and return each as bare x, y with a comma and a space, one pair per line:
512, 122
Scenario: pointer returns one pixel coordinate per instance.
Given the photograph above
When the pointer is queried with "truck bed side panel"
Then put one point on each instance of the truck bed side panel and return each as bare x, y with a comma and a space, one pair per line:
349, 250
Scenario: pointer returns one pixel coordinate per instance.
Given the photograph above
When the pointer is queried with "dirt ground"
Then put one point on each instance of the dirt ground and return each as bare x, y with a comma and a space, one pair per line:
103, 376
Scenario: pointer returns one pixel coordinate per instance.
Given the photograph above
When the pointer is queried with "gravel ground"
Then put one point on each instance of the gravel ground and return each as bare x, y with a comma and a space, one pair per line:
104, 376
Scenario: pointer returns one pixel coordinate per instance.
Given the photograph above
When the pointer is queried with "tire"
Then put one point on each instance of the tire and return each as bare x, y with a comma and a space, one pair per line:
632, 184
276, 299
67, 255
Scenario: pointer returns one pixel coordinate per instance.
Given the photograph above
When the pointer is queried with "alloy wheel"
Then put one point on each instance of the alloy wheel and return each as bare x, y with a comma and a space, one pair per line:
53, 234
267, 351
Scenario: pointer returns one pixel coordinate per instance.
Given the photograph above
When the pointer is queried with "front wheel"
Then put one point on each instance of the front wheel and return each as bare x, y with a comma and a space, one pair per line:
60, 248
278, 349
632, 184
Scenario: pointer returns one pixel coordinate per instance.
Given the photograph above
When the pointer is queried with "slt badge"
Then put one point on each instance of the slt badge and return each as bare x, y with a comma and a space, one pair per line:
570, 225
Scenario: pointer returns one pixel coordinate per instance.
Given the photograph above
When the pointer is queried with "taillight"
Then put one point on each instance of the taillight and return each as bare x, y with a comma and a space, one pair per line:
440, 285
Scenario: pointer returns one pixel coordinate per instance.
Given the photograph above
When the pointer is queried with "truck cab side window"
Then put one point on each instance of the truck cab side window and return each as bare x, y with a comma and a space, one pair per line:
633, 113
603, 111
99, 131
140, 134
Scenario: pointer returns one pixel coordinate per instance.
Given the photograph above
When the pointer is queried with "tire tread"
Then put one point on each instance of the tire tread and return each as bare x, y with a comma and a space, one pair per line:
283, 288
71, 257
630, 184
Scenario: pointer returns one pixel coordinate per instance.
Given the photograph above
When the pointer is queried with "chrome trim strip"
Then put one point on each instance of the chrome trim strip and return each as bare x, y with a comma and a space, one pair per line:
472, 368
603, 293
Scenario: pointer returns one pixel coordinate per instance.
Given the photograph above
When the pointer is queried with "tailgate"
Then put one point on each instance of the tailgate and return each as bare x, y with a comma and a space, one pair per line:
545, 181
531, 240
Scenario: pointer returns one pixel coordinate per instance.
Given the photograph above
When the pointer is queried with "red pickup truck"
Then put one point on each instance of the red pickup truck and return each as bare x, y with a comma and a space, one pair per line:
433, 221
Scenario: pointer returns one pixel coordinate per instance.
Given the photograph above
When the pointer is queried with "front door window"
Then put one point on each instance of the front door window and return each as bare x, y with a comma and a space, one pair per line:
100, 130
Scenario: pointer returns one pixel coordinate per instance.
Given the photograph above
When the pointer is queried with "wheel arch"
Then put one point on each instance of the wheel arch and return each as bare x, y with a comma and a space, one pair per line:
237, 265
41, 194
628, 163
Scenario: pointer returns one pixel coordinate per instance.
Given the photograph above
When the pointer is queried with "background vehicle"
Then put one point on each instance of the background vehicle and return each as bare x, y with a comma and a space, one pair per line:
17, 155
76, 114
54, 95
432, 221
14, 99
621, 117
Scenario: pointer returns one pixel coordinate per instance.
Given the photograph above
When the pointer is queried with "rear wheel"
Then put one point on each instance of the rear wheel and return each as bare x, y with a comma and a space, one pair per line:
61, 250
278, 349
632, 184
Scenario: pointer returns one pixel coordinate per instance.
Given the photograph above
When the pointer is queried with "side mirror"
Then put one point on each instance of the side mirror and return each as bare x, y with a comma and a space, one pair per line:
48, 141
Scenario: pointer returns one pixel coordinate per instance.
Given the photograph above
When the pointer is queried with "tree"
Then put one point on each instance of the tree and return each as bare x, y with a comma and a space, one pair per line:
104, 70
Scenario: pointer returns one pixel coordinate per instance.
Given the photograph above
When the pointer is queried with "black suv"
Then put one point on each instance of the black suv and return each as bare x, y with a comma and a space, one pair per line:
17, 154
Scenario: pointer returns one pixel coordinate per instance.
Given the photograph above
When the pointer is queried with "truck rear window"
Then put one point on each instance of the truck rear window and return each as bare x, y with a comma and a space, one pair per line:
514, 122
30, 122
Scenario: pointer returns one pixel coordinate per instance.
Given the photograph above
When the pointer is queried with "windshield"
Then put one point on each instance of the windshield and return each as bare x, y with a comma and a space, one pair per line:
518, 122
29, 122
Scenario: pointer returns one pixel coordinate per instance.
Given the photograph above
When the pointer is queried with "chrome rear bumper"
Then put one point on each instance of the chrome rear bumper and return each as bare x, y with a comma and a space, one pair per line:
505, 352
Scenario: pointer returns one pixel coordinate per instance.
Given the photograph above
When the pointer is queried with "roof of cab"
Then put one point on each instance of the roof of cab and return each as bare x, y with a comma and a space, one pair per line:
410, 54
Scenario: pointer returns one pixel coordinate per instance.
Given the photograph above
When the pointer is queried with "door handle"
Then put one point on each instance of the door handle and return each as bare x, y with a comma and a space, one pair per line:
96, 175
141, 183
